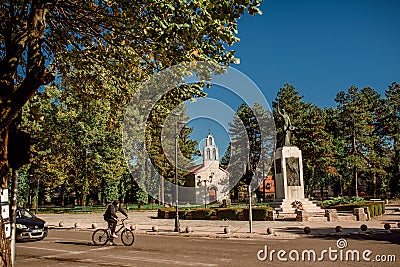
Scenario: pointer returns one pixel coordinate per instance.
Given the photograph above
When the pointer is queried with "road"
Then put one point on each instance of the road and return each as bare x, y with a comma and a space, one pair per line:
74, 248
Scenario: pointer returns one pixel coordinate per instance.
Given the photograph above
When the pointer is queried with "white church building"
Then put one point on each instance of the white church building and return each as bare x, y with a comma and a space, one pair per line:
211, 180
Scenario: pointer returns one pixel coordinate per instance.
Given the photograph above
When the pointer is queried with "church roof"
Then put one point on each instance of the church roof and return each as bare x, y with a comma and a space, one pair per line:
195, 168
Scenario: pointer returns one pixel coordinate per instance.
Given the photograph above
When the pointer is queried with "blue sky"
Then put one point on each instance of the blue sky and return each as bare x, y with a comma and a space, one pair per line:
320, 47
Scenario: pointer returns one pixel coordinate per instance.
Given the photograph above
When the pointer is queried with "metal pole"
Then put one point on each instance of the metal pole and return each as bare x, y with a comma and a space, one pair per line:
250, 212
205, 194
14, 192
37, 197
177, 227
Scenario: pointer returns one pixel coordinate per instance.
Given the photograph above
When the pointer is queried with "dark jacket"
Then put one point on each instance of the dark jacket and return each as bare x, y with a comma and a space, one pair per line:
111, 212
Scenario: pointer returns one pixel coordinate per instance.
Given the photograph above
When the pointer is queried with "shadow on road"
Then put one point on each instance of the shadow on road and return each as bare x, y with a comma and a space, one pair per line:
377, 235
76, 243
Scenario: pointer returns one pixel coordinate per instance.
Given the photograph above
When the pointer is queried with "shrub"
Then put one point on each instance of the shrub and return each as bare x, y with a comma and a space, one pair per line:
259, 213
228, 213
171, 213
340, 200
375, 208
164, 213
201, 214
181, 212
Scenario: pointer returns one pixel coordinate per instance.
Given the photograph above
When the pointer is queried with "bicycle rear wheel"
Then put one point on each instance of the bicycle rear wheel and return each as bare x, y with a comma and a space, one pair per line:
127, 237
100, 237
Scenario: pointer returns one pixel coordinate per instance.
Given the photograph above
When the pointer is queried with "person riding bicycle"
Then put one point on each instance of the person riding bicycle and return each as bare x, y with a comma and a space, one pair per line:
111, 217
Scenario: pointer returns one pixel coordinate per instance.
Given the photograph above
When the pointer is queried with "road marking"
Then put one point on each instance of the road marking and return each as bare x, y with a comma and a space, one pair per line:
52, 249
64, 252
159, 261
102, 248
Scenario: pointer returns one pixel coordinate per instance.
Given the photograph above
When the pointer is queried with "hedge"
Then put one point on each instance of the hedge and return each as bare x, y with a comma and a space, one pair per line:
171, 213
228, 213
232, 213
259, 213
375, 208
201, 214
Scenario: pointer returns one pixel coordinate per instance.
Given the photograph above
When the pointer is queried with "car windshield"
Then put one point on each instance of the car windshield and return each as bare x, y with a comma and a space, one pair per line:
24, 213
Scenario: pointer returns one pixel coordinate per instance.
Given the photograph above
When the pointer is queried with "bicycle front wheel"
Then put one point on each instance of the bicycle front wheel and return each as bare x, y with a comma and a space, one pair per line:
100, 237
127, 237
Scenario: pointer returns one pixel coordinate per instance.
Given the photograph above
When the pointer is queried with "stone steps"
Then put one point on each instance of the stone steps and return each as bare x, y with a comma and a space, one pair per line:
285, 205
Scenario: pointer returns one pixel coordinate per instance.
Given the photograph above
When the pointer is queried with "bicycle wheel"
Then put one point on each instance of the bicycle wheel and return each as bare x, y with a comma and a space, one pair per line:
100, 237
127, 237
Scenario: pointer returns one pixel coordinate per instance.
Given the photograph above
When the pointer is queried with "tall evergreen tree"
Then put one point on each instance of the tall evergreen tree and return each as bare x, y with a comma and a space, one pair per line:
318, 151
391, 123
358, 111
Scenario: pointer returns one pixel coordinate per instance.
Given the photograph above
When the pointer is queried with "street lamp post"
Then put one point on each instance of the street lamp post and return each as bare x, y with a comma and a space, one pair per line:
176, 136
37, 197
177, 226
205, 180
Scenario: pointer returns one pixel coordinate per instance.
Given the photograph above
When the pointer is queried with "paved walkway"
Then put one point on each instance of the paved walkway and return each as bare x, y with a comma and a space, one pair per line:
143, 222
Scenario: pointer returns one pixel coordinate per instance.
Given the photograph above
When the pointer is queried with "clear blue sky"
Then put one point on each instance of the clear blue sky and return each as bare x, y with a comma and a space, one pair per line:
320, 47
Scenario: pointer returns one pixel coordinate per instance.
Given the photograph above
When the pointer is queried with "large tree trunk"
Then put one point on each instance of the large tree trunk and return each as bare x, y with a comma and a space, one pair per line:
12, 98
5, 252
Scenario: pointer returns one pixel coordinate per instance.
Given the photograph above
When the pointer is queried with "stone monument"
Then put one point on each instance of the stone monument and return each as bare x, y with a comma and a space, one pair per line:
289, 183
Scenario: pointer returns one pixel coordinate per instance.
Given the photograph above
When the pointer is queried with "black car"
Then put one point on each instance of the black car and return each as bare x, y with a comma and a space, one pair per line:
29, 227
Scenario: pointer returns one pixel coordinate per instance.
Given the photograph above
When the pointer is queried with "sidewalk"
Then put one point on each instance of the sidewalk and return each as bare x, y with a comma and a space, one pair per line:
143, 223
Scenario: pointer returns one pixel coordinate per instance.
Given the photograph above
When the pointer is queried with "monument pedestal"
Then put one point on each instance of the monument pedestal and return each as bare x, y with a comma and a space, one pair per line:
289, 183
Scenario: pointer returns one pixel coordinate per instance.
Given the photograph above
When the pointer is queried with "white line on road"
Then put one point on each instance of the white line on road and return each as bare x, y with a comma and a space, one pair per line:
53, 249
64, 252
164, 261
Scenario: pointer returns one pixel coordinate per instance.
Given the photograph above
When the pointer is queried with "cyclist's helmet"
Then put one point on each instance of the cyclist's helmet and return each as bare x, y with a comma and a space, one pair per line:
115, 202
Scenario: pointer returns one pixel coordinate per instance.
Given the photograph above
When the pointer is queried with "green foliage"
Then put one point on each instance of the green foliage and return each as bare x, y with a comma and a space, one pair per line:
258, 213
391, 123
228, 213
253, 140
311, 135
201, 214
169, 213
23, 187
141, 196
375, 208
359, 126
341, 200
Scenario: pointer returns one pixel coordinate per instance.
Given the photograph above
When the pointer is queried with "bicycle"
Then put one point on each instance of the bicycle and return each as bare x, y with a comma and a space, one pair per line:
102, 236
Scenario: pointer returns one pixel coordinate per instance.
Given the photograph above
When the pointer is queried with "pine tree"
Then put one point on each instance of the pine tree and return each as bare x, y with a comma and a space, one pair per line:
357, 123
318, 150
391, 124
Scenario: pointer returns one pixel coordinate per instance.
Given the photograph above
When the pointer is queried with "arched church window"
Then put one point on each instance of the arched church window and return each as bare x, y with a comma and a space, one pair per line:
211, 141
214, 155
208, 154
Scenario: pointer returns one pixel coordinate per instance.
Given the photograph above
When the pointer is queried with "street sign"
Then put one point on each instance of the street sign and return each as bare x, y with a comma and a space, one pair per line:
5, 212
4, 195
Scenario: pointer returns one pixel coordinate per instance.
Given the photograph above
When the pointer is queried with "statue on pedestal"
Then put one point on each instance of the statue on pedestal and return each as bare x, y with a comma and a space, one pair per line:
287, 127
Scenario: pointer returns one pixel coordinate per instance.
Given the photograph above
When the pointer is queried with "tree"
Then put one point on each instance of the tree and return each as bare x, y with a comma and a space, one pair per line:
317, 145
226, 157
391, 122
42, 38
253, 141
358, 125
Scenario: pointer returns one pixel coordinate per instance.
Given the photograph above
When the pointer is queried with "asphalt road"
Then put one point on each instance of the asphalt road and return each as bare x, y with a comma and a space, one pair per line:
74, 248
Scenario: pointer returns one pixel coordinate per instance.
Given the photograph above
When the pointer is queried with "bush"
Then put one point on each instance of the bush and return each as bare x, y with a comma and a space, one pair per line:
375, 208
259, 213
228, 213
170, 213
161, 213
201, 214
340, 200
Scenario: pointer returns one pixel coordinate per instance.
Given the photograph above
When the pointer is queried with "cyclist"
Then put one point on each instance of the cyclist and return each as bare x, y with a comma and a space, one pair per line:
111, 217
